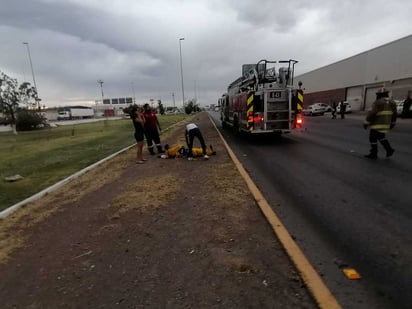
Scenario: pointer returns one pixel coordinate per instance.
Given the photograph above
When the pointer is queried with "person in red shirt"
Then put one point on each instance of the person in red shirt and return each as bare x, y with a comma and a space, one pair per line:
151, 129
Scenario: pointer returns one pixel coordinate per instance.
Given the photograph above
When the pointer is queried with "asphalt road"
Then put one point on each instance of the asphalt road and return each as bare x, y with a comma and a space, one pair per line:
342, 209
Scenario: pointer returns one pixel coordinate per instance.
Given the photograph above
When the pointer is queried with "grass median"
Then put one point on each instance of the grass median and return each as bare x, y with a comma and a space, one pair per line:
44, 157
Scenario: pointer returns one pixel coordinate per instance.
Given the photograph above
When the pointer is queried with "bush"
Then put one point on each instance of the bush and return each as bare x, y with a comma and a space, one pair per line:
29, 120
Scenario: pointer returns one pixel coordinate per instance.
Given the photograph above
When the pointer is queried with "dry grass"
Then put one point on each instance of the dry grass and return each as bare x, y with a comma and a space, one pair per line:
15, 228
131, 198
229, 189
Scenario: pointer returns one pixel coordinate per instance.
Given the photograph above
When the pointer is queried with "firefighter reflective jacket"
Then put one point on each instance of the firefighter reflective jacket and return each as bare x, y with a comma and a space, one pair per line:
382, 115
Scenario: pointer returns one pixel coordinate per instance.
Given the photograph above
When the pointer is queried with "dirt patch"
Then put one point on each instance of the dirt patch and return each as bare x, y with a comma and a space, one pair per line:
165, 234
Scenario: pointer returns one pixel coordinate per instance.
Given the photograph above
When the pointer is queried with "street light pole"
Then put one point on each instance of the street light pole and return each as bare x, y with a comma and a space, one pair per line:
32, 72
181, 70
195, 92
101, 86
134, 94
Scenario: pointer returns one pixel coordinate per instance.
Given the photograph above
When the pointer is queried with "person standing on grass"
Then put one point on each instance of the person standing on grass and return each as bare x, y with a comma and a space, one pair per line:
191, 132
138, 123
151, 129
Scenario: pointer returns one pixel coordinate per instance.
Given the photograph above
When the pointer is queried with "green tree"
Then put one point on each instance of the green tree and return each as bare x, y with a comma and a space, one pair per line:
192, 107
12, 95
189, 108
28, 120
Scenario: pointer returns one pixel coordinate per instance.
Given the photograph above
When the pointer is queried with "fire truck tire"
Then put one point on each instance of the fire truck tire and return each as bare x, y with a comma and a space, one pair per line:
224, 124
236, 128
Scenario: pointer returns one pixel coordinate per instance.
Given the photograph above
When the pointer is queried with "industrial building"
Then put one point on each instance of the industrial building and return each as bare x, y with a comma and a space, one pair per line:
357, 78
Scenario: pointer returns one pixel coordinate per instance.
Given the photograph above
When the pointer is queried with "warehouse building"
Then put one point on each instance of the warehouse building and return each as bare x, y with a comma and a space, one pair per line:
357, 79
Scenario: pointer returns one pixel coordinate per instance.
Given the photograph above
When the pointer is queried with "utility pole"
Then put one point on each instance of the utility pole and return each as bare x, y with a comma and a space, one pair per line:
134, 94
101, 86
174, 107
32, 72
181, 70
195, 93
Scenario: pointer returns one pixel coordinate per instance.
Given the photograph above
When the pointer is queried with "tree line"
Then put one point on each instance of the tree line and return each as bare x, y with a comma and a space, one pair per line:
15, 99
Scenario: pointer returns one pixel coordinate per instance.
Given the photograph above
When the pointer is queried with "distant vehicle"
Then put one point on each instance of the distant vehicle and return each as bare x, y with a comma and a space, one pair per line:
313, 110
63, 115
75, 113
327, 108
347, 110
399, 107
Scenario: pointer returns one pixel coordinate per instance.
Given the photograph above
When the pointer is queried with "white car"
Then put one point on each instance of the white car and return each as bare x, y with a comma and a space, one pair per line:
313, 110
399, 107
347, 110
324, 106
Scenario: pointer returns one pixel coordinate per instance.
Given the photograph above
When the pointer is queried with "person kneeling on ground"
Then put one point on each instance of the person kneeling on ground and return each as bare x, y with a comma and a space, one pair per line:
191, 132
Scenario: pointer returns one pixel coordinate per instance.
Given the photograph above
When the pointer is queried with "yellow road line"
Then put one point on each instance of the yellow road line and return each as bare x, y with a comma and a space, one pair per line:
313, 281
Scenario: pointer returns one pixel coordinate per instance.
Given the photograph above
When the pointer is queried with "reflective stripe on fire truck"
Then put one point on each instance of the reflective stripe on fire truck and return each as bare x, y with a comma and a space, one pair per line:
250, 111
300, 100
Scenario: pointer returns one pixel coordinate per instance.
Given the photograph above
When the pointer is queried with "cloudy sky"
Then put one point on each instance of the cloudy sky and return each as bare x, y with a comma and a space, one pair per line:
133, 45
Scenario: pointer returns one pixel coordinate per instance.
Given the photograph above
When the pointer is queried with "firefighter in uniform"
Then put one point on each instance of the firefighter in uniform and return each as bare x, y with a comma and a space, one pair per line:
380, 119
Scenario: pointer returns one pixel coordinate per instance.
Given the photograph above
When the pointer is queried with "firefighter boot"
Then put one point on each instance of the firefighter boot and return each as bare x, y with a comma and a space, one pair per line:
373, 152
388, 148
159, 148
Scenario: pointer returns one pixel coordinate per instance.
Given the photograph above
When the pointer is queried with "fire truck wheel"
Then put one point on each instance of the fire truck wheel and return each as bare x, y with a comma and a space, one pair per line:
236, 129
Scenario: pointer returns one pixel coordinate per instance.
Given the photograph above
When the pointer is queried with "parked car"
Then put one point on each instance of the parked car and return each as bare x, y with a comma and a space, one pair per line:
347, 110
327, 108
399, 107
313, 110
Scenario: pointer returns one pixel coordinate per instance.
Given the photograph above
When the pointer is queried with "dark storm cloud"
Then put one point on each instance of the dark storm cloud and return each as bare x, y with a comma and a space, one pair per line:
136, 42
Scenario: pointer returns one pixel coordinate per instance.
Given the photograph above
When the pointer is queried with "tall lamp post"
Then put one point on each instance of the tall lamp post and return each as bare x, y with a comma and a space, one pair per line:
32, 72
181, 70
134, 94
101, 87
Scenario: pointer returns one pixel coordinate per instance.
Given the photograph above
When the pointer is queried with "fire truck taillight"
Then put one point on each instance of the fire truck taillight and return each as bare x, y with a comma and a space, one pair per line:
299, 121
258, 121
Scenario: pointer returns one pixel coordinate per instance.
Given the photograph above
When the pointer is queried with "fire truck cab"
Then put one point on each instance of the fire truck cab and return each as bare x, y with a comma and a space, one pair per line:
262, 100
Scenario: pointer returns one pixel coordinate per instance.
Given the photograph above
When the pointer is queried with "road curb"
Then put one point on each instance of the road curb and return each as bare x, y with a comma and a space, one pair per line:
312, 279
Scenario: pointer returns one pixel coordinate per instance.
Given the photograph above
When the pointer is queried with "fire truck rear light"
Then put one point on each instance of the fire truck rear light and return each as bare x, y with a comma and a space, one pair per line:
299, 121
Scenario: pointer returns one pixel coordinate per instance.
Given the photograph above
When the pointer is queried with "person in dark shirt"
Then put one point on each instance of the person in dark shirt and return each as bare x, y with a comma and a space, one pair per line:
138, 123
406, 111
334, 106
342, 110
151, 129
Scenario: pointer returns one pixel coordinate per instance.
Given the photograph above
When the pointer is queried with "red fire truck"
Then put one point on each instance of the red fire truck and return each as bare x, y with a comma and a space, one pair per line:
263, 100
